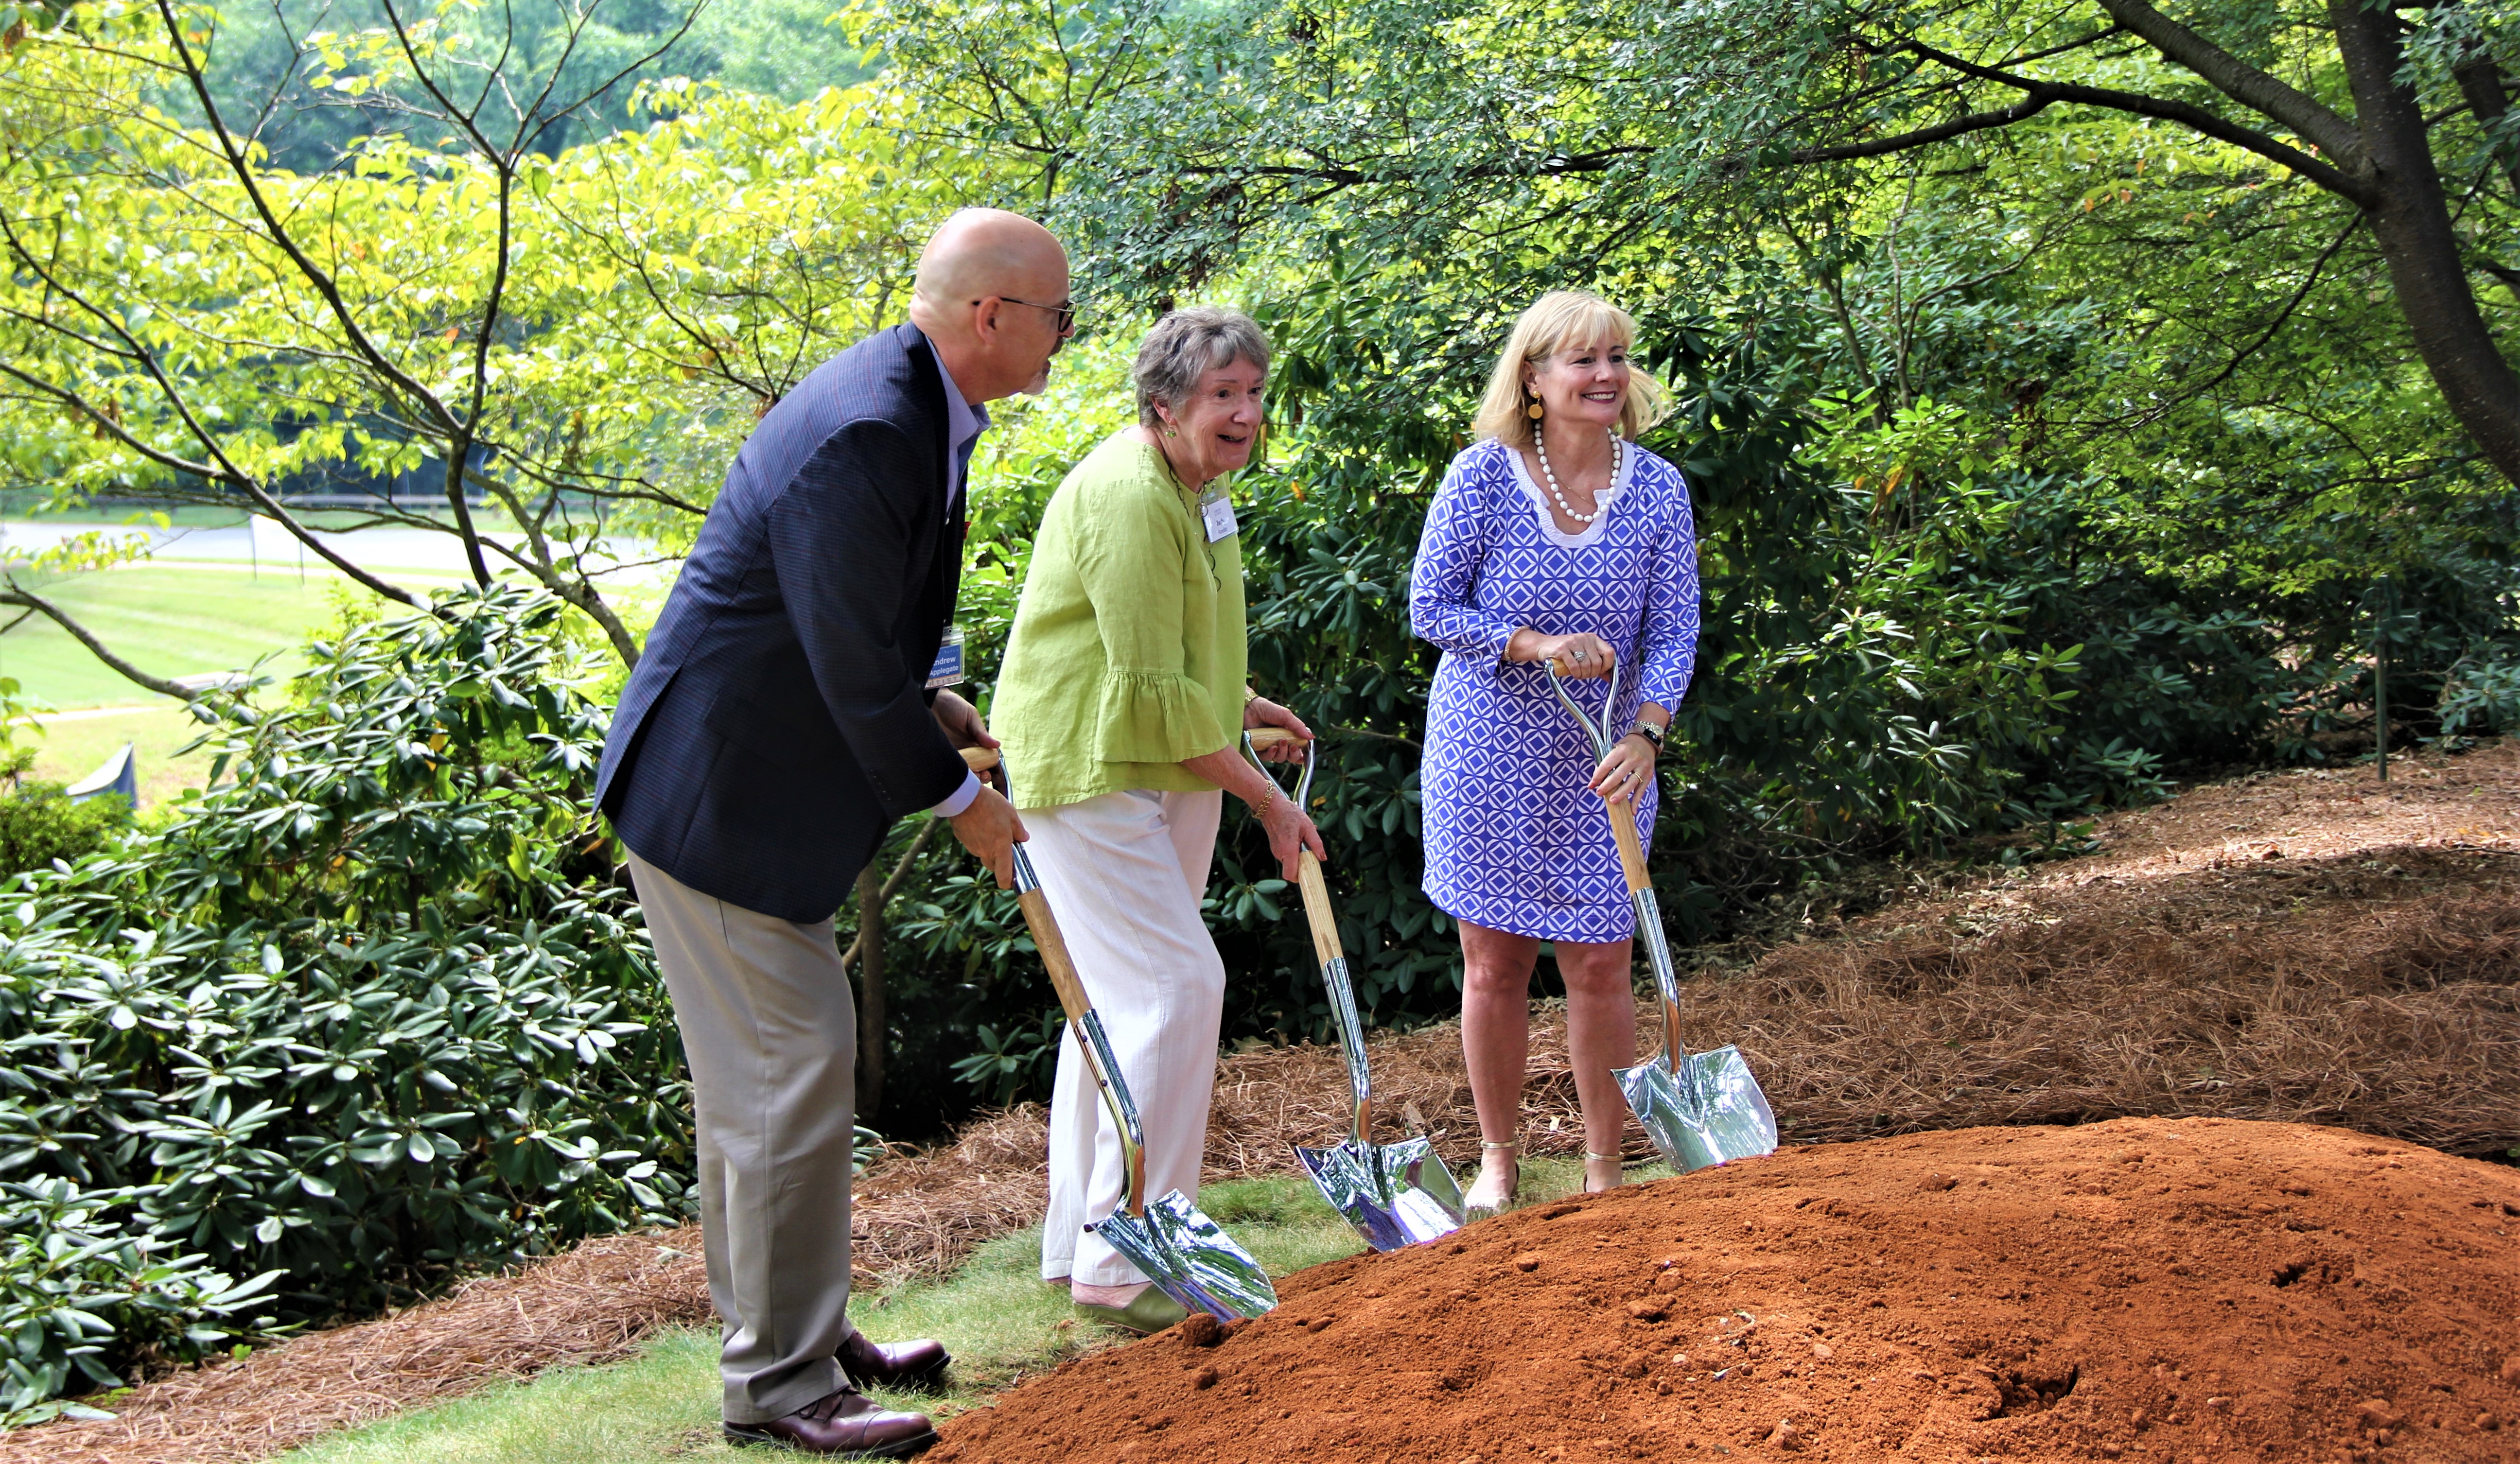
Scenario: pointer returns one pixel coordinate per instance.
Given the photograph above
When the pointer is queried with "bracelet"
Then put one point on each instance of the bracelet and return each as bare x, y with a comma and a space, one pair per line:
1649, 733
1249, 697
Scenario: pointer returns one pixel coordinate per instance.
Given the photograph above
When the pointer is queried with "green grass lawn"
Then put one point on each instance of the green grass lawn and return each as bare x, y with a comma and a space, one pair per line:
168, 621
994, 1315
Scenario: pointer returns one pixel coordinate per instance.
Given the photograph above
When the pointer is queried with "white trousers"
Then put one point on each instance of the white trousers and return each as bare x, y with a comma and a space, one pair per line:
1124, 873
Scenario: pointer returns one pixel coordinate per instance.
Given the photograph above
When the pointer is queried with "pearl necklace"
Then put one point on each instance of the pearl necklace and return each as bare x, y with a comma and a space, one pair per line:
1540, 446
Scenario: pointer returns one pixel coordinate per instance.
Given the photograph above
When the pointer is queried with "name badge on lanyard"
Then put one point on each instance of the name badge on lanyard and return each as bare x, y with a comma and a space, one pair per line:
1215, 510
948, 670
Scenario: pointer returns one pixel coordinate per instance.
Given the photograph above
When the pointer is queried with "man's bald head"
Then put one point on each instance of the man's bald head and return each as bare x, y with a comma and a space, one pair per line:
984, 280
981, 252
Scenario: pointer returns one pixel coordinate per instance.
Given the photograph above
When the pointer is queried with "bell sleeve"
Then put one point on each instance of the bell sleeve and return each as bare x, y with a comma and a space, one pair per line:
1443, 586
1670, 622
1130, 557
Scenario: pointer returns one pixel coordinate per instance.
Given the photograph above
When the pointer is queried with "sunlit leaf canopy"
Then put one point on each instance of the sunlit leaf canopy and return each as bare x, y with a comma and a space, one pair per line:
586, 331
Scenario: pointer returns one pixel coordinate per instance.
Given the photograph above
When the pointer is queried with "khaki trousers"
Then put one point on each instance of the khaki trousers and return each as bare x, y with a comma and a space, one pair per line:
1124, 873
770, 1031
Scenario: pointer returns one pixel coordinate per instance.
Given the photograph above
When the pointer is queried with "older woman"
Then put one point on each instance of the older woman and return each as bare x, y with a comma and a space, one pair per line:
1553, 538
1121, 704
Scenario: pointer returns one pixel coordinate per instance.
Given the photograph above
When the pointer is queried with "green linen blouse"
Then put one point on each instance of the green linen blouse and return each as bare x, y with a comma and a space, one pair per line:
1128, 651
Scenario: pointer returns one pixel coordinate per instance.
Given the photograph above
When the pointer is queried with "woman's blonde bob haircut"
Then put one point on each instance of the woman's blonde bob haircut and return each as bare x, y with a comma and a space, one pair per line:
1560, 321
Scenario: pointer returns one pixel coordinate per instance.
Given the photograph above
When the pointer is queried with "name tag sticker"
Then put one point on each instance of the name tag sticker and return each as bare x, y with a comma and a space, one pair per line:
948, 670
1215, 510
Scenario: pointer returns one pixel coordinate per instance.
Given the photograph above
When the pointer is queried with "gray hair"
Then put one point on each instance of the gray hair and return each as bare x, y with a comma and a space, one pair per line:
1185, 345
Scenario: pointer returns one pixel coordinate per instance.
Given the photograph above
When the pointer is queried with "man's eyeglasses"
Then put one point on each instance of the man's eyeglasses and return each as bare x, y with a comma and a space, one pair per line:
1065, 310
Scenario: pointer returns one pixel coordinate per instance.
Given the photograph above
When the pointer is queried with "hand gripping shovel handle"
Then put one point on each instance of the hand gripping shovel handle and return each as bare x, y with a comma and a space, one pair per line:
1100, 1061
1326, 943
1632, 863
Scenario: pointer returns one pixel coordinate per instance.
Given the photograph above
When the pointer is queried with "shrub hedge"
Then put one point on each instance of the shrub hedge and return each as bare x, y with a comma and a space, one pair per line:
369, 1011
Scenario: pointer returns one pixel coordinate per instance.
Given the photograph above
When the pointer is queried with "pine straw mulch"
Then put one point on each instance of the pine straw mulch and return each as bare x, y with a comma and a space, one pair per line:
2311, 946
2304, 946
592, 1305
916, 1213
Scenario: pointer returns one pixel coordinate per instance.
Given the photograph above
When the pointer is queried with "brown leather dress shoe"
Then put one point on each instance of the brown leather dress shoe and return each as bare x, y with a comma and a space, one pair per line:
846, 1423
893, 1364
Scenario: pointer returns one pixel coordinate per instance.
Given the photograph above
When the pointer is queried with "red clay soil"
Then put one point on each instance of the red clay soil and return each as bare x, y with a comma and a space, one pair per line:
2154, 1289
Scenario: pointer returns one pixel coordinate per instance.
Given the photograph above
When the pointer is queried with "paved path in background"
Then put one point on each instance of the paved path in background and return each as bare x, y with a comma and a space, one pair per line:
90, 714
380, 551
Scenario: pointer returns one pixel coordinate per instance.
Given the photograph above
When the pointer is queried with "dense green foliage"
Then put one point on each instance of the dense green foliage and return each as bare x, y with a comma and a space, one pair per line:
39, 824
2033, 471
369, 1011
38, 821
270, 62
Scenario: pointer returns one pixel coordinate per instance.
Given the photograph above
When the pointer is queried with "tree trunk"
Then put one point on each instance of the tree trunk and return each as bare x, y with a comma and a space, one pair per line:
870, 1013
2412, 226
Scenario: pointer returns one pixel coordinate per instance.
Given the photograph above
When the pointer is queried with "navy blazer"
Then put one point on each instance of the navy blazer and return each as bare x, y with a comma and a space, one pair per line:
778, 721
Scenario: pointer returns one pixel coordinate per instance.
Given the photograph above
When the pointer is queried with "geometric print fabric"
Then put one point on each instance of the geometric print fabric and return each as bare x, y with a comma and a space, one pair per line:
1514, 840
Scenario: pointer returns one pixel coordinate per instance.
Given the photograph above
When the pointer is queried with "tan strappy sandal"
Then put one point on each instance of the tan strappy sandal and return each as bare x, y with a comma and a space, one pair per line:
1478, 1204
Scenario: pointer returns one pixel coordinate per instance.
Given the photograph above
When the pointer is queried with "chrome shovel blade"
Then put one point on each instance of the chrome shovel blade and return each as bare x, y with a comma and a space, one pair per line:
1393, 1195
1189, 1257
1712, 1113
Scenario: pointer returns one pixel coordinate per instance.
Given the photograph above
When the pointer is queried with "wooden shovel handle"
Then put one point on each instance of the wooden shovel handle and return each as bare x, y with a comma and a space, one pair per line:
1316, 910
980, 759
1632, 851
1270, 737
1053, 954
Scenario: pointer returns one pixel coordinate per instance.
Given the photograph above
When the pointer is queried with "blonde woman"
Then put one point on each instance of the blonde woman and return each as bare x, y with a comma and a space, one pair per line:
1554, 538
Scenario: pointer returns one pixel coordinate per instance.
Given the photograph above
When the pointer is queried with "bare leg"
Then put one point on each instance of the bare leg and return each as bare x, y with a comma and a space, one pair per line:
1496, 1045
1600, 1035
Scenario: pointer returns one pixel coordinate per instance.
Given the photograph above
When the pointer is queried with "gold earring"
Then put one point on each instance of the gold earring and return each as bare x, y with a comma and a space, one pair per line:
1533, 410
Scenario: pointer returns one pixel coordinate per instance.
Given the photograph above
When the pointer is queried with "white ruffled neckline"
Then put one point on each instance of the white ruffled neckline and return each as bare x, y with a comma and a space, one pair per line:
1540, 504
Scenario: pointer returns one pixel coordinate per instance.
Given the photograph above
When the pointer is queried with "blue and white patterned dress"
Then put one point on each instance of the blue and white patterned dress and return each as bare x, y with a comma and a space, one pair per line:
1515, 840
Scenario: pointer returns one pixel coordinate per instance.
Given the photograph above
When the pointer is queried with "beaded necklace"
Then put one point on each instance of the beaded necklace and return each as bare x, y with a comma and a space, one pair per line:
1540, 446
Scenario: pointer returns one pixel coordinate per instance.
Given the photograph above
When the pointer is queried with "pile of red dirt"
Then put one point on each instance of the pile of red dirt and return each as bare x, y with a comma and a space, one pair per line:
2156, 1289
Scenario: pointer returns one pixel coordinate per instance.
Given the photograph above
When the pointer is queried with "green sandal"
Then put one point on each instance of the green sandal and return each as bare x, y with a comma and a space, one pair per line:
1151, 1312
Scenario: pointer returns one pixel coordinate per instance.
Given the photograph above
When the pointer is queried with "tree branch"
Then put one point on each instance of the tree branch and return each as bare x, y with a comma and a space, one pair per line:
2309, 282
1961, 126
2351, 186
270, 505
315, 275
2246, 84
892, 885
1554, 165
2480, 81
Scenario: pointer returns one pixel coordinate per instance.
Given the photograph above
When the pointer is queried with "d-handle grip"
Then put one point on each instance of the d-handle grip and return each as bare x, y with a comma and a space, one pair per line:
1317, 893
979, 759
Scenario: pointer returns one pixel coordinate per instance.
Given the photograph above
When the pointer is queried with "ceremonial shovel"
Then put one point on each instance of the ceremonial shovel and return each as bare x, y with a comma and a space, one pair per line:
1699, 1110
1188, 1256
1391, 1194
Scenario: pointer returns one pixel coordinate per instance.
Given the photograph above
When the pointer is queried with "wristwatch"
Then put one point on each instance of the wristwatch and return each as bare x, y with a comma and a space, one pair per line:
1650, 734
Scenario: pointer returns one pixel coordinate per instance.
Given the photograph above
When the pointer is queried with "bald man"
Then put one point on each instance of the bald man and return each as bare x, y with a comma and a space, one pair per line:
792, 704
